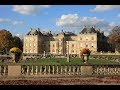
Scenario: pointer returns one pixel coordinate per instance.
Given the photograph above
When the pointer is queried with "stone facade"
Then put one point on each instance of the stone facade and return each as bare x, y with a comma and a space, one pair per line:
63, 43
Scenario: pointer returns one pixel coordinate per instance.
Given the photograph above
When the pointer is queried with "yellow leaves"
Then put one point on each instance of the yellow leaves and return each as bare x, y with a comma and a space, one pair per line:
15, 50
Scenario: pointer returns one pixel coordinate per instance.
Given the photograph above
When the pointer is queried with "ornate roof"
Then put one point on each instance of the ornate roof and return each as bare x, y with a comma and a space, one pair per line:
61, 33
65, 33
88, 30
34, 32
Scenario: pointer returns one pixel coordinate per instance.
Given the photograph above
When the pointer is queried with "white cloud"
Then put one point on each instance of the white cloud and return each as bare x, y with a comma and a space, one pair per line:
100, 8
4, 20
66, 20
73, 20
29, 9
18, 34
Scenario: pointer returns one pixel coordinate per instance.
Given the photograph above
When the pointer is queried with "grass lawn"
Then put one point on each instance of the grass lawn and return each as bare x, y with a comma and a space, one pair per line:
62, 61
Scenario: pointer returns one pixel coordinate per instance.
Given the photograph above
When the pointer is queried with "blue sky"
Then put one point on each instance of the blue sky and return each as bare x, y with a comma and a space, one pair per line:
18, 19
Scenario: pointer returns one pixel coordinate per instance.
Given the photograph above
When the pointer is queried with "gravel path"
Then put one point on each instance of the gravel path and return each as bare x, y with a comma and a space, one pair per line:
114, 80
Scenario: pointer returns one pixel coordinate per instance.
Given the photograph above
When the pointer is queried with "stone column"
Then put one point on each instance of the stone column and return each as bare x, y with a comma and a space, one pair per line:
31, 72
61, 69
86, 70
36, 70
4, 69
65, 69
53, 69
0, 71
28, 70
45, 70
57, 69
40, 70
78, 70
73, 70
69, 70
49, 69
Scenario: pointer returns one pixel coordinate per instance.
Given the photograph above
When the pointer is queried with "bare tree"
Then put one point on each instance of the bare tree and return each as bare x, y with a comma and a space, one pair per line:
114, 37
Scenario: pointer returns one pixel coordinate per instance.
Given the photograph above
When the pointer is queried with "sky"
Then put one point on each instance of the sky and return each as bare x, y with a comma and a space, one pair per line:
19, 19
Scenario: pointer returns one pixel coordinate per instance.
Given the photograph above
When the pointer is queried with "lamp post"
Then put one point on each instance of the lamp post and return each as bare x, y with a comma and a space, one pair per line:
68, 59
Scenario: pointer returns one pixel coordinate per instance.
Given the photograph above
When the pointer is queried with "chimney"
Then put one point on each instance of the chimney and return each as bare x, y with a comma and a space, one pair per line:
38, 29
93, 26
31, 28
84, 27
99, 30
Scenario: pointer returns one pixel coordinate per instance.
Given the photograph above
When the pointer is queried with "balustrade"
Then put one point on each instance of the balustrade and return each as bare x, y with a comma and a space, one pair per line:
60, 70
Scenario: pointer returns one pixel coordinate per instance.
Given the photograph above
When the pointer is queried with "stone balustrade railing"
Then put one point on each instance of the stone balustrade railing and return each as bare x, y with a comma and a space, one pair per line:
3, 70
106, 70
47, 70
58, 70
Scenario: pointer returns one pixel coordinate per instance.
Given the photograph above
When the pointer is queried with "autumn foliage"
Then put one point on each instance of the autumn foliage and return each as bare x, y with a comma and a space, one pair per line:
8, 41
15, 50
85, 51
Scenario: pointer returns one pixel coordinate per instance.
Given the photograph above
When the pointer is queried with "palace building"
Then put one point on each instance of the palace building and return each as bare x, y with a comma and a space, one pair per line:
36, 42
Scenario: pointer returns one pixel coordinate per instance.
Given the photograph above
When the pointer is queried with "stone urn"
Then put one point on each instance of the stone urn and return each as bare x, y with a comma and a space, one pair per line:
85, 53
85, 58
15, 54
15, 57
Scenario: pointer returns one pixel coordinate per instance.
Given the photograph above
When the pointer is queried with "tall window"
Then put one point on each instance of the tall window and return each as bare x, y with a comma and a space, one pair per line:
81, 45
92, 38
72, 51
30, 44
72, 45
53, 50
86, 38
86, 45
25, 50
80, 38
92, 45
30, 39
34, 44
30, 50
53, 45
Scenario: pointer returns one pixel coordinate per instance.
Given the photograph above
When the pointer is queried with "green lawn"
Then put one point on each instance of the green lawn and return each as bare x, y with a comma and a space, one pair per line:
61, 61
